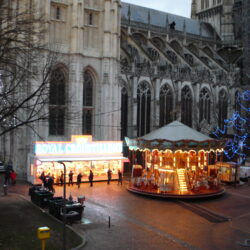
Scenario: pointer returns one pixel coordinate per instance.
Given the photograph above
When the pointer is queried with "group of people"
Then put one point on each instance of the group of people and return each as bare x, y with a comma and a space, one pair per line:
48, 180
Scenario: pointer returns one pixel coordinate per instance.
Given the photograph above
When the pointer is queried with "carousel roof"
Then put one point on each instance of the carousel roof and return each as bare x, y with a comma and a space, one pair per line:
176, 131
174, 136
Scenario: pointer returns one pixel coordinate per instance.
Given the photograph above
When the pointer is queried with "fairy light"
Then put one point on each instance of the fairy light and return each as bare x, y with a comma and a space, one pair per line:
234, 147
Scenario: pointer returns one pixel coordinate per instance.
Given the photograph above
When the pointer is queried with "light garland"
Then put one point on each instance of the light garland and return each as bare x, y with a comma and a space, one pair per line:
234, 147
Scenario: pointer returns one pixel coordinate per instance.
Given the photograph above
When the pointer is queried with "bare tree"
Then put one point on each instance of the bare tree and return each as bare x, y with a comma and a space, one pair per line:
25, 66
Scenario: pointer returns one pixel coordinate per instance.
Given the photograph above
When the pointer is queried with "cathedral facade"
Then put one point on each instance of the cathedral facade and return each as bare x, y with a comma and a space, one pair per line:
125, 70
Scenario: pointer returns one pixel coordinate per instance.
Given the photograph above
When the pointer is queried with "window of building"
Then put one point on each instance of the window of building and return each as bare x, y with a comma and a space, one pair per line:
237, 108
207, 3
214, 2
87, 104
202, 4
219, 1
222, 109
237, 103
57, 105
204, 105
143, 108
186, 106
90, 18
166, 105
58, 13
124, 113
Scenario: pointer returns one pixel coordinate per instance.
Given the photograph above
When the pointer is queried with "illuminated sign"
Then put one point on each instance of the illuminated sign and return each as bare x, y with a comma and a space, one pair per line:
80, 145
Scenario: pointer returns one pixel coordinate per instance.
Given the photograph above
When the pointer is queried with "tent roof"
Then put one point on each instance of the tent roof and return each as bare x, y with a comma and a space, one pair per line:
176, 131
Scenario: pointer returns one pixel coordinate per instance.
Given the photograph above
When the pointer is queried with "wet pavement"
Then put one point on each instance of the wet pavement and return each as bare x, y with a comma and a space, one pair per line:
138, 222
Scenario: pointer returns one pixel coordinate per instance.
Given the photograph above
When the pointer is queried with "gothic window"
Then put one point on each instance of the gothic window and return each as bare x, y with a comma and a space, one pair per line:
58, 13
87, 104
124, 113
90, 18
202, 4
204, 105
166, 105
189, 58
237, 102
57, 102
186, 106
222, 108
143, 108
172, 56
153, 54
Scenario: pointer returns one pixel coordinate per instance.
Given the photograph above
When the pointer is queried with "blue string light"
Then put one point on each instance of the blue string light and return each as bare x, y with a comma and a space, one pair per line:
234, 147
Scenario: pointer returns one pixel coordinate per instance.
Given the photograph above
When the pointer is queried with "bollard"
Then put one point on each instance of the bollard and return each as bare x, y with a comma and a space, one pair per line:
5, 189
109, 221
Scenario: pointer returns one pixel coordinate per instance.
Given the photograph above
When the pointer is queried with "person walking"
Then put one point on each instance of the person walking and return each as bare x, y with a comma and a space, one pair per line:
91, 177
109, 175
61, 178
42, 177
79, 179
51, 184
119, 177
13, 177
71, 178
7, 176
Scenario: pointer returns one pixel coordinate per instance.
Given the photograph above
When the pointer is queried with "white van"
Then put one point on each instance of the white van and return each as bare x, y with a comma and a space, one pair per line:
244, 173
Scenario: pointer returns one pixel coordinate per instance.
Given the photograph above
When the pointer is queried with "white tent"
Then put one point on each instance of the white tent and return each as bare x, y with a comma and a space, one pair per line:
176, 131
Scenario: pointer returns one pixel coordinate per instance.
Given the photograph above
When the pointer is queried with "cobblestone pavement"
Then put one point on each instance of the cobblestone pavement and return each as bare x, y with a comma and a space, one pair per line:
138, 222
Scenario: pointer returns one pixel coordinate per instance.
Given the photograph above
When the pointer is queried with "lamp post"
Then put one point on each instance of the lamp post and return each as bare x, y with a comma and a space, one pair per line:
63, 210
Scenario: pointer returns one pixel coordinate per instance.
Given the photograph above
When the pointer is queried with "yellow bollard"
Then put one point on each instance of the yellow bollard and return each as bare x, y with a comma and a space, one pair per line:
43, 233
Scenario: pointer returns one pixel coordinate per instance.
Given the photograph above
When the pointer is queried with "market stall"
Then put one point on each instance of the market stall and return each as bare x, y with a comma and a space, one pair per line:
79, 155
175, 162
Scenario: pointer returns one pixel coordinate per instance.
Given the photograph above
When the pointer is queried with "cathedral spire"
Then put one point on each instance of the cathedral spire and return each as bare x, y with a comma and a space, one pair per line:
129, 14
193, 9
149, 18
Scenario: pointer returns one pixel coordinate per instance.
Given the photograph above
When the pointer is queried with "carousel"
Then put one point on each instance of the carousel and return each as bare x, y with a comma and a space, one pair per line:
175, 161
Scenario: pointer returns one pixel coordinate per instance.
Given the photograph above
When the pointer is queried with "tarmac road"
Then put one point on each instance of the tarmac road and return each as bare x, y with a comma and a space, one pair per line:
138, 222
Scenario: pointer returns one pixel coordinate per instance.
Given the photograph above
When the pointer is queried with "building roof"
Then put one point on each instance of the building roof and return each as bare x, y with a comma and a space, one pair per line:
176, 131
158, 18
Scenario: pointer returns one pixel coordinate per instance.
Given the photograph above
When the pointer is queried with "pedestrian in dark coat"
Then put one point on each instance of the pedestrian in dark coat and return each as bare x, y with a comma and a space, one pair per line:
61, 178
50, 183
109, 175
119, 177
91, 177
79, 179
7, 176
71, 178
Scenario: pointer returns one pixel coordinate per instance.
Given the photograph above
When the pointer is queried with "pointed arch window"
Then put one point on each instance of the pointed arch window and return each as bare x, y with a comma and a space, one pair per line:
124, 113
204, 105
166, 105
143, 108
57, 107
87, 113
237, 102
186, 106
222, 108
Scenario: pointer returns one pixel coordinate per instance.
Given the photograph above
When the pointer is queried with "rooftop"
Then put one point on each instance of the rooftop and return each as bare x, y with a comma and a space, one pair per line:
159, 18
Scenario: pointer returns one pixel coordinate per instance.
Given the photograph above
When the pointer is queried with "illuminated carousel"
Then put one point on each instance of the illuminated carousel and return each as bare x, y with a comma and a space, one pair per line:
175, 161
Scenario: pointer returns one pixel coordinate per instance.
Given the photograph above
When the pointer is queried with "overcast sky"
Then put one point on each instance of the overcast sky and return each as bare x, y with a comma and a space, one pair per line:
178, 7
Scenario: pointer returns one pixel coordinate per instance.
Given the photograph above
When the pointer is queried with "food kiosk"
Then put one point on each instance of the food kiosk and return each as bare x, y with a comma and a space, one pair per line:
79, 155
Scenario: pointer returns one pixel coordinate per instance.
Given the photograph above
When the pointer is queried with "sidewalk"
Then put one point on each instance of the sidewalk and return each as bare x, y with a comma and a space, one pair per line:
20, 220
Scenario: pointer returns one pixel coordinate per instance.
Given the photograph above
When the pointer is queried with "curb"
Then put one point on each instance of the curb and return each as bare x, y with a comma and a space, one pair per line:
84, 241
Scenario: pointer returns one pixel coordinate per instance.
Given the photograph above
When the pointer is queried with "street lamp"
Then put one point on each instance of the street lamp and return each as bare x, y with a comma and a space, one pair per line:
64, 206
